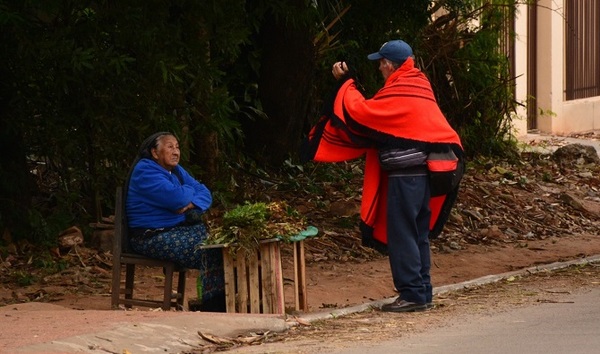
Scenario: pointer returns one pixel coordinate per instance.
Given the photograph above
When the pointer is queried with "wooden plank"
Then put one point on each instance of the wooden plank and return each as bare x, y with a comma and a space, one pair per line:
225, 245
279, 301
300, 276
296, 277
138, 302
228, 267
242, 282
254, 282
272, 277
266, 279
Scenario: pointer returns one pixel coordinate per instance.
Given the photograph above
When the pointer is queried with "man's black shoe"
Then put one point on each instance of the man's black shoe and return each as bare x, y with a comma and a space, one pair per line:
403, 306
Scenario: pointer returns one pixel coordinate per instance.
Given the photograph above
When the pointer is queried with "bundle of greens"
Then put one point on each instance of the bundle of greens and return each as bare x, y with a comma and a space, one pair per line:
246, 225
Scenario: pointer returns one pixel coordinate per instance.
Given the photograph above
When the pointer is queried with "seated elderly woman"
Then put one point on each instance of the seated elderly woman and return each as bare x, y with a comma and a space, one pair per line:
164, 204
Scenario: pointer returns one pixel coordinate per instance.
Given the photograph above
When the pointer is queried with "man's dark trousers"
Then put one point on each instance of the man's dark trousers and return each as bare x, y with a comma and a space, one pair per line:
408, 217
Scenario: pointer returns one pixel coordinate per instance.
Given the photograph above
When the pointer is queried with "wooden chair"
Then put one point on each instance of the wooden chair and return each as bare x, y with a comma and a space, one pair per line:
123, 256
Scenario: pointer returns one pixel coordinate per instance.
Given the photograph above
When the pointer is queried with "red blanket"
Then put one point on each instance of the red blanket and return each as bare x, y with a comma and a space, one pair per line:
403, 113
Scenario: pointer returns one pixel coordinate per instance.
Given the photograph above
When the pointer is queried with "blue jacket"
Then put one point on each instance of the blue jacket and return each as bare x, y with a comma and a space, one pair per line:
155, 194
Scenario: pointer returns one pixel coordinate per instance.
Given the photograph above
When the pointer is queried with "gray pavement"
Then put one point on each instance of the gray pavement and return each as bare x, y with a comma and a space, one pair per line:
179, 333
572, 326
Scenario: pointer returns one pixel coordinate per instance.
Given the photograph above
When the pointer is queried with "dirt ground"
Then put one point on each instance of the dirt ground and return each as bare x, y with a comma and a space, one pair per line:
62, 311
341, 284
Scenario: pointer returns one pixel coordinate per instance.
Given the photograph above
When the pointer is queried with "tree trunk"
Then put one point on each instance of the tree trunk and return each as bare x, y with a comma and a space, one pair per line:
284, 89
16, 185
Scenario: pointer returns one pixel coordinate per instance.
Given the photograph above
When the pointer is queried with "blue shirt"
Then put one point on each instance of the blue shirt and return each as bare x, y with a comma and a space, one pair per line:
155, 195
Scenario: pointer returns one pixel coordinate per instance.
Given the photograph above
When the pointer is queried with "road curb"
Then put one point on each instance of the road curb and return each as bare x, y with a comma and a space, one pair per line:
488, 279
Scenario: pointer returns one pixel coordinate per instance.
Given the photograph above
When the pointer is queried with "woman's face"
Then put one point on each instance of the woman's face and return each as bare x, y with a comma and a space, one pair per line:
166, 152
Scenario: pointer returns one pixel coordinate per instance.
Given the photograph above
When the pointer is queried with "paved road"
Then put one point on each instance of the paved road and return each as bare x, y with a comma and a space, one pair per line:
572, 326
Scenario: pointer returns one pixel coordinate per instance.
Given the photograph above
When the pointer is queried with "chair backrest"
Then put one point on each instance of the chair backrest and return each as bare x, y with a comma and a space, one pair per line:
121, 238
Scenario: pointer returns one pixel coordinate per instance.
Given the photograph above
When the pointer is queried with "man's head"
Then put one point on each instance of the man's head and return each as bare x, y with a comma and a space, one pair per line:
391, 55
396, 51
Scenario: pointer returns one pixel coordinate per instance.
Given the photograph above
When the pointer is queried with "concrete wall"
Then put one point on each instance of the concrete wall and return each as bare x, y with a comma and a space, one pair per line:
561, 117
519, 121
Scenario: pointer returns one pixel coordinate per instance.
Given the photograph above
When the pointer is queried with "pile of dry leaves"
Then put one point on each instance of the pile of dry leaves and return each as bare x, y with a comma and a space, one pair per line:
547, 195
542, 195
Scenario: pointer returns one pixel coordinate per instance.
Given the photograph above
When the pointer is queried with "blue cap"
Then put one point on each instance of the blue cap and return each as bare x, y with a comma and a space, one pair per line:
397, 51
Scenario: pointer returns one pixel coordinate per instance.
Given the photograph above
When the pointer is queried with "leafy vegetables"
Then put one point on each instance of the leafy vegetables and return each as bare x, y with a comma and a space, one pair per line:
247, 224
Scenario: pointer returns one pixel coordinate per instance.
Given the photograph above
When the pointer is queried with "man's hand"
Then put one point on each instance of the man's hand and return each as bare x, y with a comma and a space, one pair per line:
339, 69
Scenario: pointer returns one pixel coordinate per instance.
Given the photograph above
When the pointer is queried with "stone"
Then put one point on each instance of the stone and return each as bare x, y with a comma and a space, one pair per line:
576, 153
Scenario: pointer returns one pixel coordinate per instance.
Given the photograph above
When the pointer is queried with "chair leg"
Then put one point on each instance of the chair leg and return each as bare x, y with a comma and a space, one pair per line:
168, 270
116, 285
129, 277
129, 299
181, 289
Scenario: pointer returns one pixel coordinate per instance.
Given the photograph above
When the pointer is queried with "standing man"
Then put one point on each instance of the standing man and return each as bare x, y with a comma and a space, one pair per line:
397, 129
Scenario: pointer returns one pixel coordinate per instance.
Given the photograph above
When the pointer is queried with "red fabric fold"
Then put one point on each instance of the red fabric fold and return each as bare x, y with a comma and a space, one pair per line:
405, 110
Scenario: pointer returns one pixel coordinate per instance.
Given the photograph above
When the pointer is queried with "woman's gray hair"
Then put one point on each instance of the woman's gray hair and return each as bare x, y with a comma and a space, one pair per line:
150, 143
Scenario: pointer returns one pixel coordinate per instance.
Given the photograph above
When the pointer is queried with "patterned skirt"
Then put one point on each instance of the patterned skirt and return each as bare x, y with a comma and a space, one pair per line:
179, 245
